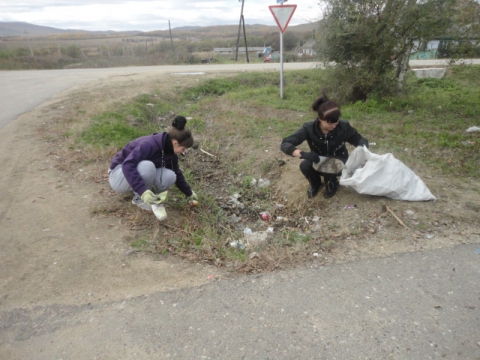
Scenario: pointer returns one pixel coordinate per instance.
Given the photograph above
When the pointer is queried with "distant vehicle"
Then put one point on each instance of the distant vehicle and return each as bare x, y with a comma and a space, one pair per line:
273, 57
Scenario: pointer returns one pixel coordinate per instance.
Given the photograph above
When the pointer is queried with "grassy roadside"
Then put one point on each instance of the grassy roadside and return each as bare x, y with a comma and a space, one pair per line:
431, 119
233, 118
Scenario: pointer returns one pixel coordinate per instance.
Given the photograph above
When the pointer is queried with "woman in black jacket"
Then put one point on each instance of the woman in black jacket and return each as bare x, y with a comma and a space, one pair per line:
326, 137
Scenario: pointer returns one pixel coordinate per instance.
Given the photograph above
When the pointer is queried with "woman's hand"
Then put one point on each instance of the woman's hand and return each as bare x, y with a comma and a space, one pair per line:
312, 156
297, 153
148, 197
193, 199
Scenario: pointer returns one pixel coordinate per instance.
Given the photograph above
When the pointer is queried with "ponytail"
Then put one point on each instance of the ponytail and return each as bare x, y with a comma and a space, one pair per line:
326, 109
180, 132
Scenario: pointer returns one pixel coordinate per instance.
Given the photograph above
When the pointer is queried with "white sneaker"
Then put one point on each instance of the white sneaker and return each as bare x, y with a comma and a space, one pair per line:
137, 200
159, 211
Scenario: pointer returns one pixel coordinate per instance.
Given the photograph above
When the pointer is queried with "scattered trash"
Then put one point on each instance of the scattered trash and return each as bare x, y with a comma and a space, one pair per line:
429, 236
372, 144
235, 219
270, 230
237, 244
253, 182
235, 200
256, 238
210, 277
247, 231
315, 254
316, 219
131, 251
473, 129
352, 206
263, 183
265, 215
410, 212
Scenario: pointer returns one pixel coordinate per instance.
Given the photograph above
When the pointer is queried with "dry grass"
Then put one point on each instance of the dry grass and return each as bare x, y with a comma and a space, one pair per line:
242, 140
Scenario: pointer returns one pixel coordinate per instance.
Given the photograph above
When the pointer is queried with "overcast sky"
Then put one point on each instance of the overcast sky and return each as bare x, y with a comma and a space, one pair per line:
147, 15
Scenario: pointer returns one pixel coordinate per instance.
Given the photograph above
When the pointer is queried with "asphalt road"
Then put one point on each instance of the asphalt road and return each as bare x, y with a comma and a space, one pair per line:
21, 91
423, 305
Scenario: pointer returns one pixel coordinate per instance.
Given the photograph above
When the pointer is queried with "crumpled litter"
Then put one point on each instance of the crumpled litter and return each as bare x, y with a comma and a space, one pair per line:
473, 129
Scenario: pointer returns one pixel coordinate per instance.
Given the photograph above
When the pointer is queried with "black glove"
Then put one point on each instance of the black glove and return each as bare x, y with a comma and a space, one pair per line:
363, 142
312, 156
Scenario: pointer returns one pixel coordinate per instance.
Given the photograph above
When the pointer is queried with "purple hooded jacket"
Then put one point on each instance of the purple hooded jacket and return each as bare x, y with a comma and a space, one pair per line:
152, 148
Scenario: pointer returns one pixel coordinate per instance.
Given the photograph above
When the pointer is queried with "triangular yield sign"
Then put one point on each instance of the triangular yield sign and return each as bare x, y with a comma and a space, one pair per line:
282, 15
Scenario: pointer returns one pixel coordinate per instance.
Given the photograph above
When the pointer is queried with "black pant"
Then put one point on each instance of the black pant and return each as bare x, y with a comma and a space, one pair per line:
313, 176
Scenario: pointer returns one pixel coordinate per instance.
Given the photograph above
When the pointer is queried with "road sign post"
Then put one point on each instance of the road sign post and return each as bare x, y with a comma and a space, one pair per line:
282, 15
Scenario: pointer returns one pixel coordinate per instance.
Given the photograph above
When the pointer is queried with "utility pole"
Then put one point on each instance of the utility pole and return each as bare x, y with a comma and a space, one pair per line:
242, 21
29, 45
170, 30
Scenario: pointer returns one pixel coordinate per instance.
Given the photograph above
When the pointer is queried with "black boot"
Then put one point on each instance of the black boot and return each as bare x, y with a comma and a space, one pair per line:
313, 178
314, 188
331, 187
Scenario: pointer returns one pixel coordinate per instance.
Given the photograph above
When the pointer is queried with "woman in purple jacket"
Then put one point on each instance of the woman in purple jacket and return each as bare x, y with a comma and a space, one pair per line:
148, 166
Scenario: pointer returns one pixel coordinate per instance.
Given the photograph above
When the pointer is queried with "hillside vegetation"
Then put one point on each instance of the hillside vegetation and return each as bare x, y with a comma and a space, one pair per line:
47, 48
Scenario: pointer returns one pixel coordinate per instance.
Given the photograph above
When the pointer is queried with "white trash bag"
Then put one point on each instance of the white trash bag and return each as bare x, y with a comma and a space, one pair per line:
383, 175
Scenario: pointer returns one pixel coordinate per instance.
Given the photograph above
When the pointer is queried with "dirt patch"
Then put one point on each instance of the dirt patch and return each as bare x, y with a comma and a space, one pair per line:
345, 228
55, 246
70, 233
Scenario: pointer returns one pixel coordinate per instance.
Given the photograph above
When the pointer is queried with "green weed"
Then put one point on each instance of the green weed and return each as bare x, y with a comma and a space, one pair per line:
425, 127
139, 244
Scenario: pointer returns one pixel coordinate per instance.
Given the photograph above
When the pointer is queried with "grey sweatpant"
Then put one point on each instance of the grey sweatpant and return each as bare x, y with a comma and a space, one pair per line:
158, 180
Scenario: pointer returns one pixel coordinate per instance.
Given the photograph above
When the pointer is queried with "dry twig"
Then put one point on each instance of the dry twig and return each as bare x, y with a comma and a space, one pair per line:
396, 217
207, 153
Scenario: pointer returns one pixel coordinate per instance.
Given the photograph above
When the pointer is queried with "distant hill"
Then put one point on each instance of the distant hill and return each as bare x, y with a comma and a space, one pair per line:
19, 29
229, 31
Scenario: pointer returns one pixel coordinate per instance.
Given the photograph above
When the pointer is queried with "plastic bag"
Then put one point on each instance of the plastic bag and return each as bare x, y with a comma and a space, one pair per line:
383, 175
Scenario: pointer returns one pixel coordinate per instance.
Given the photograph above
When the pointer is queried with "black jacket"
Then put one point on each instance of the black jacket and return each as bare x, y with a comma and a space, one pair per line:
331, 144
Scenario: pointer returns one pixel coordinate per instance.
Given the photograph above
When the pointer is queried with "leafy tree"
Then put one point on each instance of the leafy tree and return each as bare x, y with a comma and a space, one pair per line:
466, 22
73, 51
370, 41
290, 41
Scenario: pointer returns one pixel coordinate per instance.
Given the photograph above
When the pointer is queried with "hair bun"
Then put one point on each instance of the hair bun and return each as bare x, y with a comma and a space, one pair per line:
179, 122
